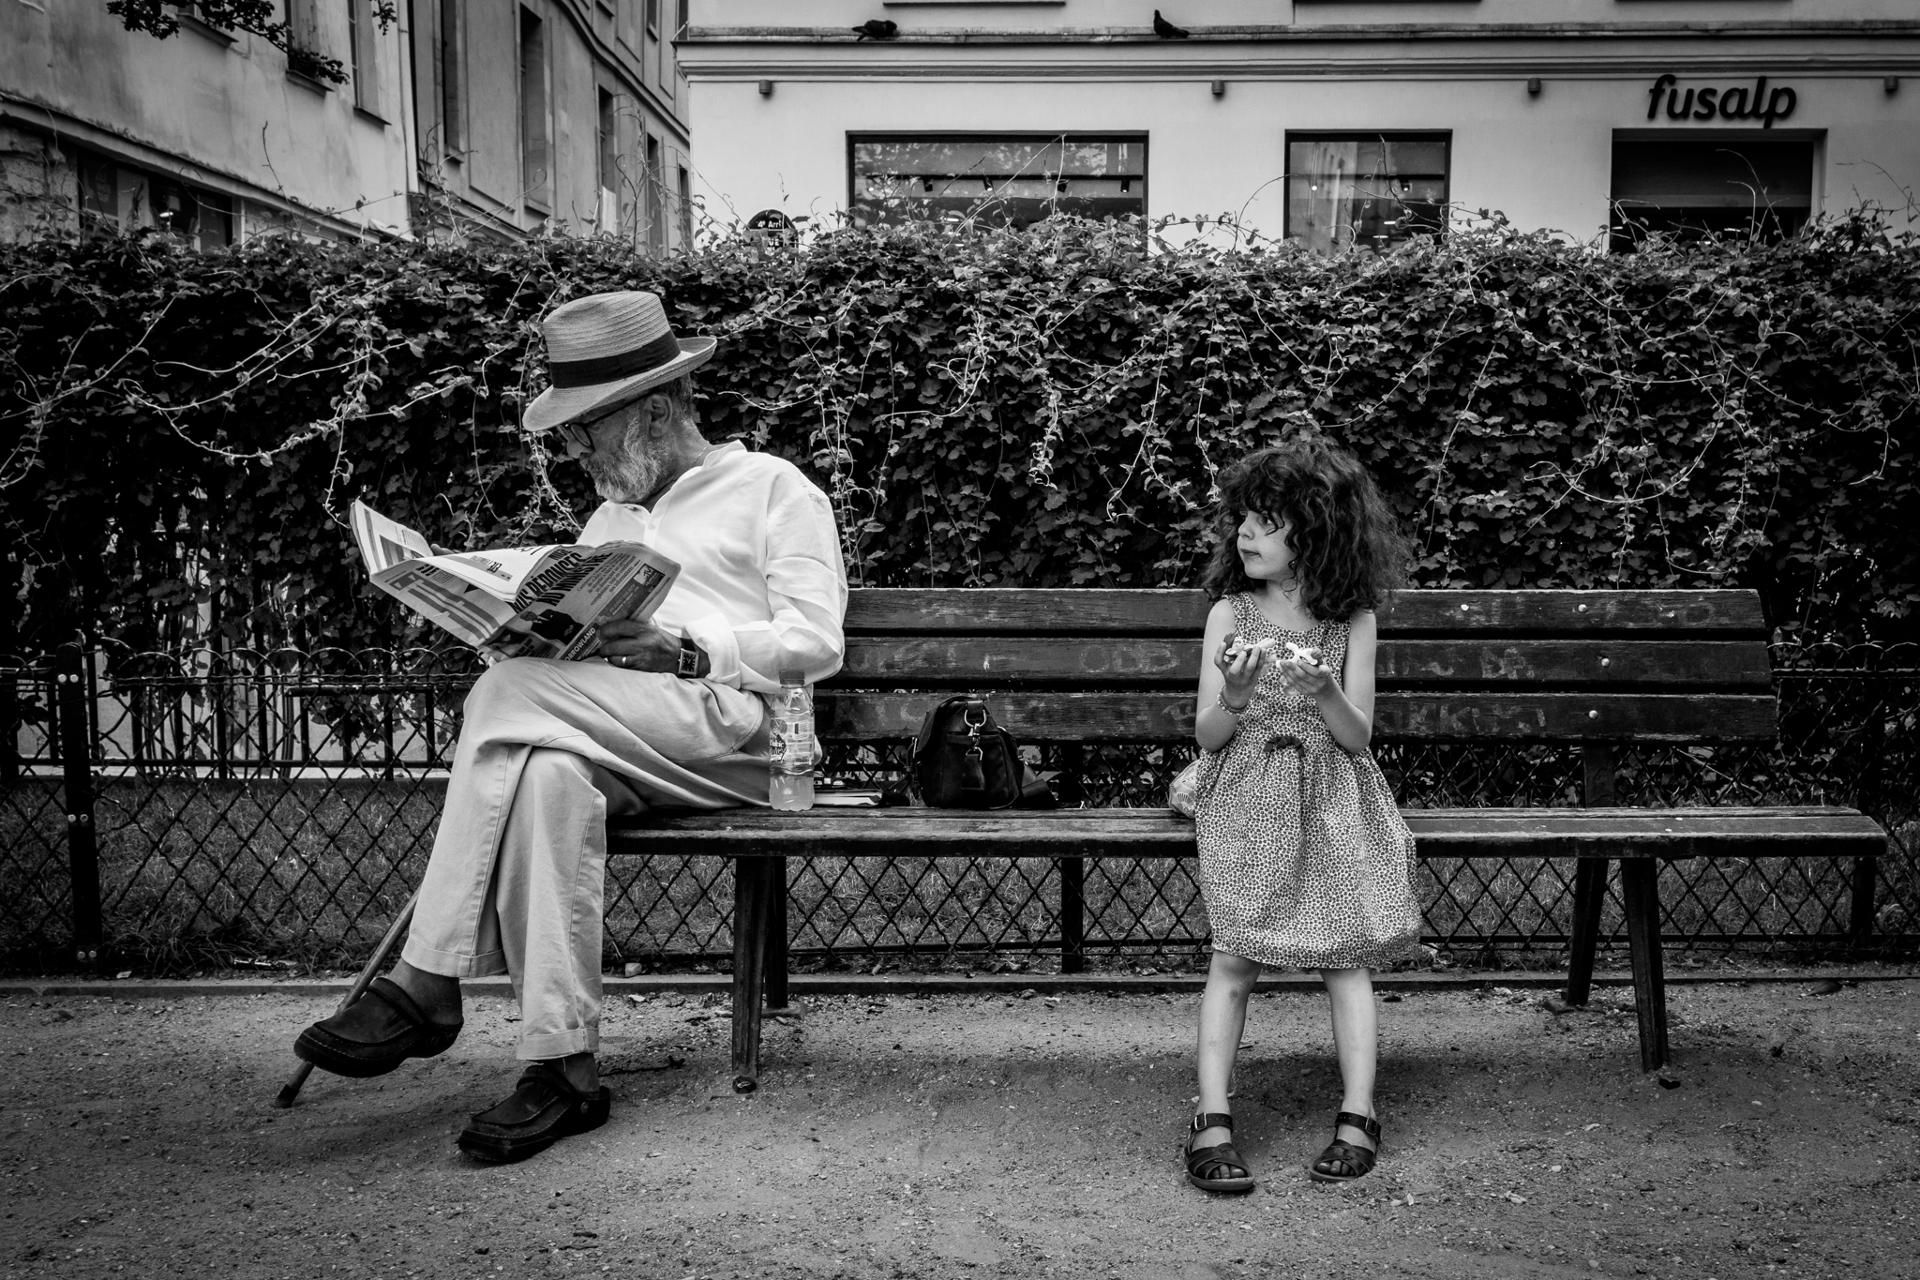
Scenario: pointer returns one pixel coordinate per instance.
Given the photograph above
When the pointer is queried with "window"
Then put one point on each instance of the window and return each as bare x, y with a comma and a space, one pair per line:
1735, 186
1014, 181
535, 137
99, 193
303, 38
656, 198
686, 208
1366, 189
453, 78
608, 151
653, 17
680, 19
364, 45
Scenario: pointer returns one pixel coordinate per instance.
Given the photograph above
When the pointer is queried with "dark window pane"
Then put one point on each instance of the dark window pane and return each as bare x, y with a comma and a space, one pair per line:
1691, 189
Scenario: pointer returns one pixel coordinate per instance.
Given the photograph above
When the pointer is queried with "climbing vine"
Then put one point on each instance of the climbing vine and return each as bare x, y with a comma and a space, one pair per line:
182, 432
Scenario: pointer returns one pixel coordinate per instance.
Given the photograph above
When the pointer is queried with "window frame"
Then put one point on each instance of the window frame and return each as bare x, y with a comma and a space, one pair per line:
856, 207
363, 54
536, 189
1384, 136
450, 64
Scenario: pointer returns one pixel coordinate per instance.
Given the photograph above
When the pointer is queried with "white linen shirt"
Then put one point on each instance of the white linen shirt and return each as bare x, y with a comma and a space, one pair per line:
762, 587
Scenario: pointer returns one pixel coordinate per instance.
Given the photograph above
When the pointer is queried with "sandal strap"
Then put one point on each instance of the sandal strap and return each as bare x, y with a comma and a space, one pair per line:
1365, 1124
1358, 1159
1211, 1120
1204, 1162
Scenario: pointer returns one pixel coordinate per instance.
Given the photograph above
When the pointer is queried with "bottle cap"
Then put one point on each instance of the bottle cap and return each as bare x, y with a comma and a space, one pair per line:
793, 675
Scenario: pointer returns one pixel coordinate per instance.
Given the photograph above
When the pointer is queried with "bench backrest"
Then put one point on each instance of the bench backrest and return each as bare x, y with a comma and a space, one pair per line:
1066, 665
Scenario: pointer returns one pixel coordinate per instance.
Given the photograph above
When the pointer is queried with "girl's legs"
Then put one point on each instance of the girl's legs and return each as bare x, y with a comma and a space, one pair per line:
1355, 1044
1223, 1015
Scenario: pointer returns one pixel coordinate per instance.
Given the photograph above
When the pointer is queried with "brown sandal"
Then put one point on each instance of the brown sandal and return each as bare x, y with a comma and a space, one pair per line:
1219, 1167
1343, 1161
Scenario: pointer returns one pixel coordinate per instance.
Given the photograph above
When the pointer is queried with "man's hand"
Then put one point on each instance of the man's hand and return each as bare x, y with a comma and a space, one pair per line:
638, 646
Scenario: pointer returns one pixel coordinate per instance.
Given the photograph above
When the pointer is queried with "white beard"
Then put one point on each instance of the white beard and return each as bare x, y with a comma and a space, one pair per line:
629, 477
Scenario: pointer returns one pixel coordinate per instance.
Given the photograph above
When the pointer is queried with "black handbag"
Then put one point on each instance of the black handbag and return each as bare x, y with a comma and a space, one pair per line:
963, 759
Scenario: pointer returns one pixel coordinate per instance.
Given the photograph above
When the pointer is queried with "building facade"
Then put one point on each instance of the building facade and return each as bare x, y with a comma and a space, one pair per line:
492, 117
1328, 122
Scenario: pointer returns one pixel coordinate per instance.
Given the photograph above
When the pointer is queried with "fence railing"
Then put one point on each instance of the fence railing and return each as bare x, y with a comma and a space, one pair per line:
188, 810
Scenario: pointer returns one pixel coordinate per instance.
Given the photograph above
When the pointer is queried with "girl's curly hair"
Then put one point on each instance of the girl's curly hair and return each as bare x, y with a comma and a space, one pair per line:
1347, 547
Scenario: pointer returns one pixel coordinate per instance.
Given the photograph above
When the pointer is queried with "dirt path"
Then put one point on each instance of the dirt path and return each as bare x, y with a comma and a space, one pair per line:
979, 1136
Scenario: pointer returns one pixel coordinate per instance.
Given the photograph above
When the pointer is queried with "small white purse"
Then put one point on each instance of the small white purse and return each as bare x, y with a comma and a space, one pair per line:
1180, 792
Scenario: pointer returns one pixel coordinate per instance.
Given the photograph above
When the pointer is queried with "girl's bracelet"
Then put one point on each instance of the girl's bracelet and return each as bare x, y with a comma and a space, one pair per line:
1229, 708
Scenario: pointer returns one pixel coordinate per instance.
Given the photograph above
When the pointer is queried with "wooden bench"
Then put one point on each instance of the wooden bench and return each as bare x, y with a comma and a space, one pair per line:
1593, 670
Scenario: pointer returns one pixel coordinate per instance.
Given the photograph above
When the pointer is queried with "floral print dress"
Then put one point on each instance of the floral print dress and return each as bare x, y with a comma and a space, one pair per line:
1305, 862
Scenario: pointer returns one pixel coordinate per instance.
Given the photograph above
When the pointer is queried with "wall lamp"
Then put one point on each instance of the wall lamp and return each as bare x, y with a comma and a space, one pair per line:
1219, 88
1533, 86
766, 88
1891, 84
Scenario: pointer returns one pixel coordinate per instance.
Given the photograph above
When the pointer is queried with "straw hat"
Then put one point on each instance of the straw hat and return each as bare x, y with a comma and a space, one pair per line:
606, 349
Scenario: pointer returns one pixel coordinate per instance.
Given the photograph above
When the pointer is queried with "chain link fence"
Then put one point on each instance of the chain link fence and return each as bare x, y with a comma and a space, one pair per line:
219, 810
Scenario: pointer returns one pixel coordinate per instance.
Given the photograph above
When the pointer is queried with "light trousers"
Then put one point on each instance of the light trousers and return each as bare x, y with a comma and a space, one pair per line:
547, 753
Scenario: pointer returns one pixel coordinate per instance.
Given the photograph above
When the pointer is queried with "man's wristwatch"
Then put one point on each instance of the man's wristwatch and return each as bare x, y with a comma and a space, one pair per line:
690, 658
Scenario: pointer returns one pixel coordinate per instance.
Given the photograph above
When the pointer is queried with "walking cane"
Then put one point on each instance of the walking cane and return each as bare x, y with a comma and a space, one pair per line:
291, 1089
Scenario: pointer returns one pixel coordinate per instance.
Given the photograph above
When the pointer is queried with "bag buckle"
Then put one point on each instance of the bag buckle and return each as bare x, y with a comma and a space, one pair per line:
975, 718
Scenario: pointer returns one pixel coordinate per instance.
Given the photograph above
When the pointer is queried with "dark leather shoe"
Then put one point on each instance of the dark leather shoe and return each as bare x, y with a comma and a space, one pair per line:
375, 1034
543, 1108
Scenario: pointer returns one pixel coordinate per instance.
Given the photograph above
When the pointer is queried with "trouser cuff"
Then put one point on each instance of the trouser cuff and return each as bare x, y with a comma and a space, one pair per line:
558, 1044
452, 964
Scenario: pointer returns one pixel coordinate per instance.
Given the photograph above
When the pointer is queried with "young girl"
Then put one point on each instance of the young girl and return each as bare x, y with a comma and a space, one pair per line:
1305, 862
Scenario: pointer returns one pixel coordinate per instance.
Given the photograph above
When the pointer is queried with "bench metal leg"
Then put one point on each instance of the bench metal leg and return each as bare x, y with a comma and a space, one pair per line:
752, 889
1589, 892
1073, 914
776, 951
1639, 887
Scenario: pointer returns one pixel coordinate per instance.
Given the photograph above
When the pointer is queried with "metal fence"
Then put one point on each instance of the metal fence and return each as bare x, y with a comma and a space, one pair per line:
179, 812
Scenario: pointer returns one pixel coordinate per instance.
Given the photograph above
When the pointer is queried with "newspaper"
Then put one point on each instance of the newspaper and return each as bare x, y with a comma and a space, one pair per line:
540, 602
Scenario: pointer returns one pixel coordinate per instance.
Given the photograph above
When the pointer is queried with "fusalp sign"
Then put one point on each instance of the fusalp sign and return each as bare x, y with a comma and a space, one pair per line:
1721, 102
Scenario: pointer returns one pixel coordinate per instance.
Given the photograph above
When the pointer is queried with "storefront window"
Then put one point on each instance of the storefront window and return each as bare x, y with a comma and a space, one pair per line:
1014, 181
1696, 187
1365, 189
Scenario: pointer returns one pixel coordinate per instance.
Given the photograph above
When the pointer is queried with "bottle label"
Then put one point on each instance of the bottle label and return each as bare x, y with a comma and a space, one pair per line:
790, 745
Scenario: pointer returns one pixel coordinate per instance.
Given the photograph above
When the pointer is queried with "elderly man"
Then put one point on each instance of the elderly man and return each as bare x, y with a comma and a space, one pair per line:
669, 714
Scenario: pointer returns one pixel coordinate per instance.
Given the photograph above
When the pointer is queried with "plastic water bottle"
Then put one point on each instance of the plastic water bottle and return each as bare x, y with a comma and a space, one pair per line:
790, 746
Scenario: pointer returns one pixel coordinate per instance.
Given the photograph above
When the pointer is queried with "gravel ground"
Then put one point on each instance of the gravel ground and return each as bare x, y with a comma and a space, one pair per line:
978, 1136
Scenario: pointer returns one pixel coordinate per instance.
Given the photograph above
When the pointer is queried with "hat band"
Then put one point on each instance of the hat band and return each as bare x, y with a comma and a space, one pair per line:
585, 373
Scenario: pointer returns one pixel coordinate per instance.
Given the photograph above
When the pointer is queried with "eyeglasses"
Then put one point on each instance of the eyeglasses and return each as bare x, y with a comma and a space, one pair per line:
580, 432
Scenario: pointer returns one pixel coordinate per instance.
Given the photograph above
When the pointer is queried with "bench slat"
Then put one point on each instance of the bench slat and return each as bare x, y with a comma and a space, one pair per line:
1755, 832
1698, 613
1175, 612
1155, 716
1155, 662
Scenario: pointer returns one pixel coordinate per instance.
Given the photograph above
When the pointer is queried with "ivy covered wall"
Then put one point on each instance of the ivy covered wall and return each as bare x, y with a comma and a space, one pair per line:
184, 431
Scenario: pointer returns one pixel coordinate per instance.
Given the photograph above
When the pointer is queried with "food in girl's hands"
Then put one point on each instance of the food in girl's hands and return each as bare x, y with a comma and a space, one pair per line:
1301, 653
1270, 647
1237, 646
